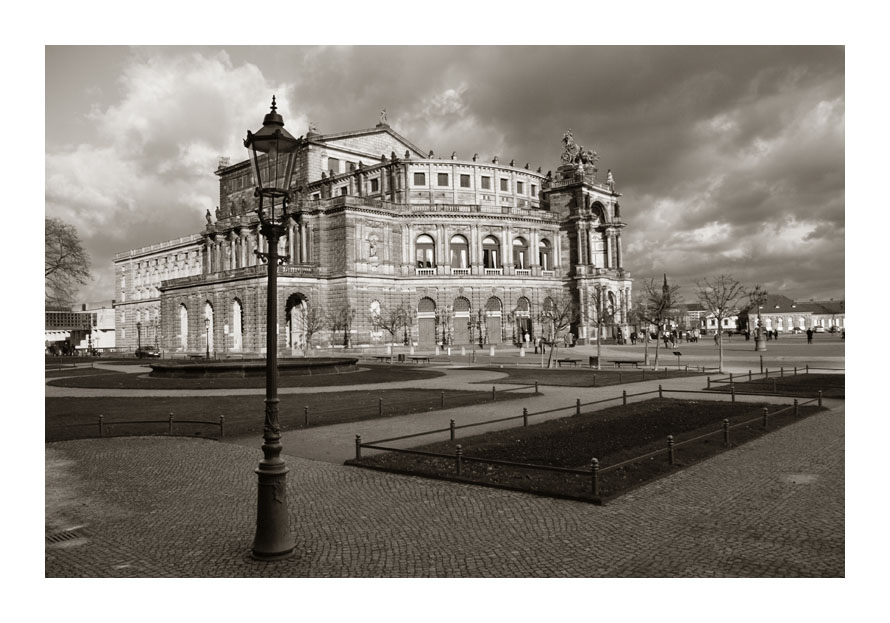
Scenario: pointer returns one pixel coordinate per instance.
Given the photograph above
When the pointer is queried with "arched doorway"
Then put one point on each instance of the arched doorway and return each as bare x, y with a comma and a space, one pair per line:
522, 326
461, 318
295, 319
236, 326
493, 320
183, 327
426, 322
425, 251
208, 327
459, 252
520, 254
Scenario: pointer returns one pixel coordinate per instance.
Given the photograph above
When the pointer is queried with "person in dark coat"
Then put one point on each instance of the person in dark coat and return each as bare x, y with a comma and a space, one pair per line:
809, 336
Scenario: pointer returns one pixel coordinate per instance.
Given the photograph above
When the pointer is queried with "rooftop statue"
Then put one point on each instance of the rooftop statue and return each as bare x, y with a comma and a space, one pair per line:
575, 154
383, 117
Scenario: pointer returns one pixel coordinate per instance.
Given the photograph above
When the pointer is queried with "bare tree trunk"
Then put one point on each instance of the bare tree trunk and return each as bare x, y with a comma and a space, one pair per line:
657, 344
599, 349
646, 349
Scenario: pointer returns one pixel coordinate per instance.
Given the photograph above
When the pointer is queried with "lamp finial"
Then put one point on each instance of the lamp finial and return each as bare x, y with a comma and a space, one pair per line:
274, 106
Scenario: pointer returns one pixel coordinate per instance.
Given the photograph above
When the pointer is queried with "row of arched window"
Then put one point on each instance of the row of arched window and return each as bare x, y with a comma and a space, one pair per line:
492, 255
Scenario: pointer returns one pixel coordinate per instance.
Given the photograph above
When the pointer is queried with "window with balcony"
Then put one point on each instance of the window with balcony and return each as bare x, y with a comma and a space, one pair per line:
544, 255
425, 251
491, 251
460, 251
520, 254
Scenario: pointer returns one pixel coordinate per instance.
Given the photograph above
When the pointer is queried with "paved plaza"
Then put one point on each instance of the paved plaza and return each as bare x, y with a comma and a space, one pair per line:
173, 507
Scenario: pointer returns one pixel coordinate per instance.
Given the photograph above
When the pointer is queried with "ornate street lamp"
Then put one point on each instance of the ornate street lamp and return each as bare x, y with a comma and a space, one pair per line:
273, 152
138, 335
758, 298
475, 322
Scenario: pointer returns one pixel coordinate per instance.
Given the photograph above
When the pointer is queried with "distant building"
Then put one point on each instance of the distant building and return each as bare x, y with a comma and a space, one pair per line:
80, 326
782, 314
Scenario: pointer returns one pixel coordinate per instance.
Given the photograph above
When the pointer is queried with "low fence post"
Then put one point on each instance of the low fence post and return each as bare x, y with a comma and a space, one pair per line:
686, 370
451, 429
442, 399
170, 425
749, 376
781, 371
624, 397
594, 380
767, 374
795, 407
380, 407
808, 368
671, 449
222, 426
525, 416
358, 447
577, 406
730, 378
595, 476
726, 432
765, 414
795, 370
492, 392
761, 364
306, 415
709, 382
458, 458
536, 388
775, 390
101, 428
732, 390
820, 397
619, 377
660, 395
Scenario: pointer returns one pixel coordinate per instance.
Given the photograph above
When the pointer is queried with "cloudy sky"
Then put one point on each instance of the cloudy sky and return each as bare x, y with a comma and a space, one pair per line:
729, 159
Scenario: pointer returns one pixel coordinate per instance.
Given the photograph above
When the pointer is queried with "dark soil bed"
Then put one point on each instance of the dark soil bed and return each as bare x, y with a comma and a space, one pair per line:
367, 375
611, 435
584, 377
51, 374
831, 385
77, 418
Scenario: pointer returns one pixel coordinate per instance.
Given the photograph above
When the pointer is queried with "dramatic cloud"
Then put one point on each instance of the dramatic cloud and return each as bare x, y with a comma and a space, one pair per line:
728, 159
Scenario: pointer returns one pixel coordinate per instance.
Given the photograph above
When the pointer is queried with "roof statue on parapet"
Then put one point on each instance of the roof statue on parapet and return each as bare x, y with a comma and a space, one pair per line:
575, 154
208, 217
313, 128
383, 117
610, 181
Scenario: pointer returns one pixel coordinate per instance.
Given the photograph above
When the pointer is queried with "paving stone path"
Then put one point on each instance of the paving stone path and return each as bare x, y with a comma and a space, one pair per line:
162, 507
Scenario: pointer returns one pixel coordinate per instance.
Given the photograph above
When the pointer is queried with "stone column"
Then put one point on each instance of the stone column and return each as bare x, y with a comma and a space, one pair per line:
591, 245
618, 250
608, 234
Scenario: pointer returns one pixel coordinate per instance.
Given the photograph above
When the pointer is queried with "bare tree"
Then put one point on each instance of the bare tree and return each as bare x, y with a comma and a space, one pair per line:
561, 312
66, 263
314, 320
341, 320
391, 318
719, 295
600, 312
655, 308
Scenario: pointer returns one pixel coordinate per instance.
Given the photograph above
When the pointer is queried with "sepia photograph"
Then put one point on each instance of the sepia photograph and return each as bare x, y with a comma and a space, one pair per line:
446, 310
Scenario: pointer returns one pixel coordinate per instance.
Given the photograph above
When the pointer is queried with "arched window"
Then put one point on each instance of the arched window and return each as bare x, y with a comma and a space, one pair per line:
208, 326
520, 253
544, 255
459, 252
491, 251
295, 314
183, 327
425, 251
236, 325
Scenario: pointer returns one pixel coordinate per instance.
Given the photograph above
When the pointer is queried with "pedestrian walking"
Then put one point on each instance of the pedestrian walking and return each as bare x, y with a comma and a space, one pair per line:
809, 336
633, 338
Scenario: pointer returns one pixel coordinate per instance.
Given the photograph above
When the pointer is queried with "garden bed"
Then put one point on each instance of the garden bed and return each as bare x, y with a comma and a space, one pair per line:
584, 377
612, 436
831, 385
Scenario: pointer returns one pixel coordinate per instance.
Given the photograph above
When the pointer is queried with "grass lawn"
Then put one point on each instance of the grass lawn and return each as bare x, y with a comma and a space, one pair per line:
611, 435
77, 418
831, 385
366, 375
583, 377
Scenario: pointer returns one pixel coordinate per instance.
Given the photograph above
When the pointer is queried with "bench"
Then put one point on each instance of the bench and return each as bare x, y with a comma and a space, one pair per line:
574, 362
196, 357
624, 362
420, 358
382, 357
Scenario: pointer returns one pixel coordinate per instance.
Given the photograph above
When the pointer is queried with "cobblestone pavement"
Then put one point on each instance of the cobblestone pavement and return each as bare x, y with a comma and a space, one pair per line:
151, 506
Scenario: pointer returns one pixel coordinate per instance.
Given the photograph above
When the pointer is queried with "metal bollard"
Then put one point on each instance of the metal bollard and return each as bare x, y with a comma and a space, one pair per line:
671, 449
222, 426
730, 378
442, 399
525, 416
624, 397
808, 368
767, 374
492, 392
660, 395
725, 432
709, 382
358, 447
595, 476
795, 370
451, 428
765, 414
380, 407
795, 407
170, 425
536, 388
577, 406
820, 397
306, 415
749, 376
781, 371
732, 390
775, 391
458, 458
101, 429
761, 364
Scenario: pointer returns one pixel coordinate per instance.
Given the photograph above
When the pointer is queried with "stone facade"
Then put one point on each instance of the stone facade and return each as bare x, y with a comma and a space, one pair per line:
378, 224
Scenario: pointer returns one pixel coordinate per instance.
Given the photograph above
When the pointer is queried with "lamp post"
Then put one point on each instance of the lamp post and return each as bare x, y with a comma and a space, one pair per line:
272, 152
207, 336
138, 335
473, 323
758, 298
